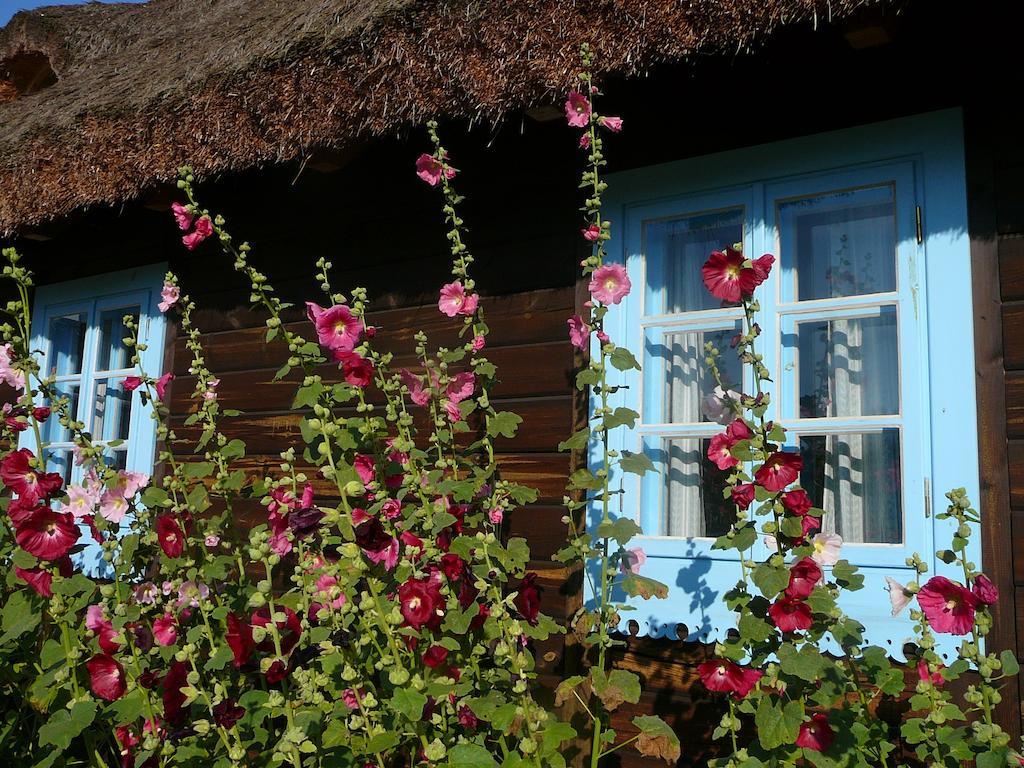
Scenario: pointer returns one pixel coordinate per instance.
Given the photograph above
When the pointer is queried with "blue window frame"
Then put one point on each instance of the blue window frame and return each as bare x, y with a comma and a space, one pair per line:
78, 330
867, 305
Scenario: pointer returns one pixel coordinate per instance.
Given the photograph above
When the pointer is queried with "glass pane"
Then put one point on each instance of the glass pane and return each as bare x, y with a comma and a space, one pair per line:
67, 344
849, 367
687, 379
855, 478
113, 354
62, 461
678, 248
112, 408
840, 243
693, 502
51, 430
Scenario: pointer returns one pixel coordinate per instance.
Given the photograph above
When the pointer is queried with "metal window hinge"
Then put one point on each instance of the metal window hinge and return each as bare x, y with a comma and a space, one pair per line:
917, 223
927, 497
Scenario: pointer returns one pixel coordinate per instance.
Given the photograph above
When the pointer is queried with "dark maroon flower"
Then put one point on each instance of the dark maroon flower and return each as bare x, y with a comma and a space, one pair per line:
482, 615
174, 699
304, 521
227, 713
276, 672
527, 602
371, 536
466, 717
435, 656
170, 535
41, 413
148, 679
421, 602
453, 566
239, 637
290, 629
106, 677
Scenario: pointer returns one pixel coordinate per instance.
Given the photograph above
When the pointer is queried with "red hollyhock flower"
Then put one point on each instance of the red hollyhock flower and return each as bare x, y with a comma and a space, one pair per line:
720, 451
781, 469
170, 535
227, 713
816, 734
453, 566
743, 494
726, 677
290, 629
738, 430
239, 637
948, 606
790, 614
128, 741
527, 602
47, 534
276, 672
924, 674
40, 580
985, 590
174, 699
18, 475
762, 267
106, 677
810, 524
19, 509
421, 602
804, 575
483, 613
797, 501
435, 656
467, 719
726, 277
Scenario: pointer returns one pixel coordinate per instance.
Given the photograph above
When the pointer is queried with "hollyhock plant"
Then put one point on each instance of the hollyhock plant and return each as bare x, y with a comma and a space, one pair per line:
724, 676
161, 384
720, 451
720, 405
421, 602
632, 560
131, 383
337, 328
827, 546
170, 536
106, 677
527, 601
985, 590
899, 595
816, 734
727, 276
169, 296
804, 576
579, 333
182, 216
613, 124
18, 475
743, 494
610, 284
430, 169
47, 534
791, 614
455, 301
948, 606
592, 233
165, 629
40, 580
780, 470
203, 229
577, 110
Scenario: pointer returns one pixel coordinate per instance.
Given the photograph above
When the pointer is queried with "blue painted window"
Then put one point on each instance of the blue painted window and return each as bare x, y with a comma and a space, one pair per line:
78, 329
867, 329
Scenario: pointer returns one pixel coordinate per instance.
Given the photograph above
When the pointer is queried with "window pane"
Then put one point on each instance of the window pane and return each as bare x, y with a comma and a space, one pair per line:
113, 354
677, 249
111, 410
62, 461
849, 367
687, 379
855, 478
51, 430
67, 344
840, 243
693, 504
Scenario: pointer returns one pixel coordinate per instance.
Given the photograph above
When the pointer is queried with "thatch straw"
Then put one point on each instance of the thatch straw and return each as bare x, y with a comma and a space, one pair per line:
230, 84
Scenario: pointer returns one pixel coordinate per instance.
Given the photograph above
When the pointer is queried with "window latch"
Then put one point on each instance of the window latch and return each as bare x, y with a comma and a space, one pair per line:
918, 225
927, 497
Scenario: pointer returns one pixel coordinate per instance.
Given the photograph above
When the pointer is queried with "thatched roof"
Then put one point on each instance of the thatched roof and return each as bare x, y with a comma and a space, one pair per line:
137, 90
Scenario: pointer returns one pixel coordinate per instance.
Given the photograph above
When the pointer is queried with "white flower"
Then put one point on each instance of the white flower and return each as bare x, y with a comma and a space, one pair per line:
898, 595
721, 405
826, 548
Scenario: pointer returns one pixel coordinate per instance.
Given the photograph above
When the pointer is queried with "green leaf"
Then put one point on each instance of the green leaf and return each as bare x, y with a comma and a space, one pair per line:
636, 463
308, 396
620, 417
754, 629
409, 703
657, 739
235, 449
641, 586
584, 479
154, 497
504, 423
470, 756
846, 575
622, 359
994, 758
587, 377
807, 663
64, 725
622, 529
778, 725
577, 441
1009, 662
128, 708
381, 742
771, 579
194, 469
19, 616
615, 688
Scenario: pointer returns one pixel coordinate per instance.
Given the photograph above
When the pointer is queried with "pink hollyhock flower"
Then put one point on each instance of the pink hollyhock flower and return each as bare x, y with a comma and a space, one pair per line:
479, 342
454, 301
720, 451
577, 110
40, 580
82, 500
190, 593
613, 124
826, 548
985, 590
365, 467
165, 629
726, 277
95, 617
204, 228
742, 494
724, 676
461, 387
418, 392
239, 638
182, 216
738, 430
592, 233
925, 675
435, 656
797, 501
211, 390
10, 375
585, 141
610, 284
392, 508
810, 524
147, 593
106, 677
816, 734
790, 614
169, 296
804, 576
388, 556
430, 169
579, 333
130, 483
170, 535
781, 469
948, 606
161, 384
46, 534
350, 699
337, 328
113, 506
899, 596
467, 719
211, 540
328, 593
632, 559
131, 383
496, 515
